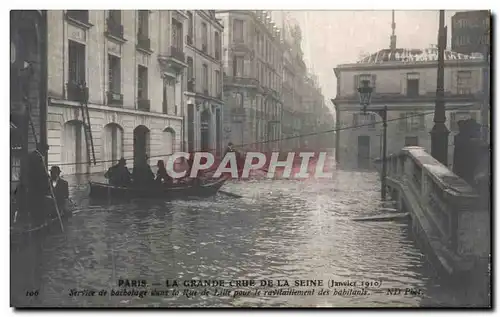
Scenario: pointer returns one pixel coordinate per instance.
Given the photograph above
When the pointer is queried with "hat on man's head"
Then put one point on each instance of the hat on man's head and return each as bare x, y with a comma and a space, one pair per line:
55, 169
230, 144
122, 160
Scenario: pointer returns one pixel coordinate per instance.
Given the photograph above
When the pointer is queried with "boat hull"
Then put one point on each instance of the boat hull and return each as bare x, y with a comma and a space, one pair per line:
106, 191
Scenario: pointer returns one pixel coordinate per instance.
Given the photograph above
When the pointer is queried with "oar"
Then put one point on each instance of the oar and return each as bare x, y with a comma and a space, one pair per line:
230, 194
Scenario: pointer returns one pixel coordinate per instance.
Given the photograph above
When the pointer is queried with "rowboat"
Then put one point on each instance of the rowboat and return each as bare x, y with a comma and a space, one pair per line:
203, 189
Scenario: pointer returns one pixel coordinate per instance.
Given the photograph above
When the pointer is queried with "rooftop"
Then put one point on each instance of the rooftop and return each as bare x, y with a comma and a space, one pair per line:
413, 55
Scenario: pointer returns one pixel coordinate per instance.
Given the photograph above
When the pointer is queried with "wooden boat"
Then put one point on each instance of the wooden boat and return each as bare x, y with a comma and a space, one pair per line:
203, 189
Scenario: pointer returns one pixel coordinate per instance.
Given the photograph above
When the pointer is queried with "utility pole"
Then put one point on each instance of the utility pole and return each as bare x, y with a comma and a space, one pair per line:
439, 132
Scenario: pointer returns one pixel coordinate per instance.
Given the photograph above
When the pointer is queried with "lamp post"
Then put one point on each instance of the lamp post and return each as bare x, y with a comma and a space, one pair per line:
365, 92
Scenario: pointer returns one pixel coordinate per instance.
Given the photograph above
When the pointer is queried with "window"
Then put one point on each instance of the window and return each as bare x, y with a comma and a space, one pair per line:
204, 34
217, 82
359, 80
217, 46
114, 73
76, 60
142, 82
364, 119
205, 77
464, 82
412, 84
143, 23
177, 34
411, 141
238, 30
458, 116
238, 63
190, 28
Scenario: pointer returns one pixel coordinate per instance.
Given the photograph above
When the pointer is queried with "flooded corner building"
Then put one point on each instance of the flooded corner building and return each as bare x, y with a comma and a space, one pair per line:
28, 80
253, 61
404, 80
132, 65
203, 49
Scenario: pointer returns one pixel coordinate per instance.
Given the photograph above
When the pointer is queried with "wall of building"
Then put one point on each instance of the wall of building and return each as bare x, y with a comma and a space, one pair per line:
393, 81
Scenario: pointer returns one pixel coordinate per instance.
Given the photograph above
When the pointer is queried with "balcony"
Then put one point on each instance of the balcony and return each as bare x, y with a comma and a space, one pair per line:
189, 39
241, 81
191, 85
144, 105
144, 43
217, 55
205, 92
79, 18
204, 48
174, 58
114, 99
219, 96
114, 29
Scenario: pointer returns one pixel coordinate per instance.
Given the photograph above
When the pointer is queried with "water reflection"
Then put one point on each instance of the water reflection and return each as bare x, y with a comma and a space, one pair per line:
279, 230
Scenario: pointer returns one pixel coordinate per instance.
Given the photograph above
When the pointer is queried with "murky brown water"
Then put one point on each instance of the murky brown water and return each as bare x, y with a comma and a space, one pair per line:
279, 230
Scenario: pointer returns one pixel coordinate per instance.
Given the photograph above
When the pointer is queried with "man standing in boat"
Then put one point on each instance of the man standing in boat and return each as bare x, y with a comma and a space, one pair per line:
119, 175
60, 187
142, 175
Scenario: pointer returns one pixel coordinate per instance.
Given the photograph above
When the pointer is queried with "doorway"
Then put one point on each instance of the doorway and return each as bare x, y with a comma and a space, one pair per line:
141, 143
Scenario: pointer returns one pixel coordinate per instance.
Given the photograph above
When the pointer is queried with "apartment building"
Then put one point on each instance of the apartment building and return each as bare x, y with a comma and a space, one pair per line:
253, 51
203, 47
404, 80
132, 65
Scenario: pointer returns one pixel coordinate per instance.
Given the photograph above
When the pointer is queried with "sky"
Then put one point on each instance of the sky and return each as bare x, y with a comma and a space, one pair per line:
331, 38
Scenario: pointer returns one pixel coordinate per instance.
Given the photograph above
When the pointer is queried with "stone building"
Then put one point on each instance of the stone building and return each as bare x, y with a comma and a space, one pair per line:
203, 49
28, 80
294, 81
132, 63
252, 79
404, 80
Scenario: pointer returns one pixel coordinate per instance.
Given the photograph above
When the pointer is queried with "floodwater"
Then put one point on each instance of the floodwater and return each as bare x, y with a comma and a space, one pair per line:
279, 230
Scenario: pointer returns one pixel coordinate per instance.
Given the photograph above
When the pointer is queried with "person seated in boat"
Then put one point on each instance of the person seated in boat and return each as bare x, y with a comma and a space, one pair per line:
162, 176
142, 175
60, 188
119, 175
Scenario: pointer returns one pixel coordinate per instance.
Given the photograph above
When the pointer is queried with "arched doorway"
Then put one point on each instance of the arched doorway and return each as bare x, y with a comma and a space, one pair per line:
205, 130
74, 150
112, 144
168, 144
141, 143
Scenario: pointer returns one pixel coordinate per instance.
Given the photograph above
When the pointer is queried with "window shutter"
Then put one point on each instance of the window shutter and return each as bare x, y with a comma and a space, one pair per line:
453, 85
422, 120
356, 84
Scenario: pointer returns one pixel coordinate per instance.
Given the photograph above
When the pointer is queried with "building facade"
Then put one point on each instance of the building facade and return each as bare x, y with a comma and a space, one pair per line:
252, 79
405, 82
133, 64
204, 120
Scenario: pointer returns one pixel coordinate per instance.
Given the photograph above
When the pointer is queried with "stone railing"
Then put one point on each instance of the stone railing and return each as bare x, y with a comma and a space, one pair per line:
444, 205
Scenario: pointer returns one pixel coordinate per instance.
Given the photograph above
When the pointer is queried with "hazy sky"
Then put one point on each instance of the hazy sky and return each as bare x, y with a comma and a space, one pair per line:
336, 37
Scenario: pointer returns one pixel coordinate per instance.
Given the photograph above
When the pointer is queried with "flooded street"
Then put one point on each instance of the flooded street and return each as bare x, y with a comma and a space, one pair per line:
279, 230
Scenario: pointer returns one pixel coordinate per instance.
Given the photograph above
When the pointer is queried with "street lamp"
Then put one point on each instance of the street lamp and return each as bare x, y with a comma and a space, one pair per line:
365, 92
